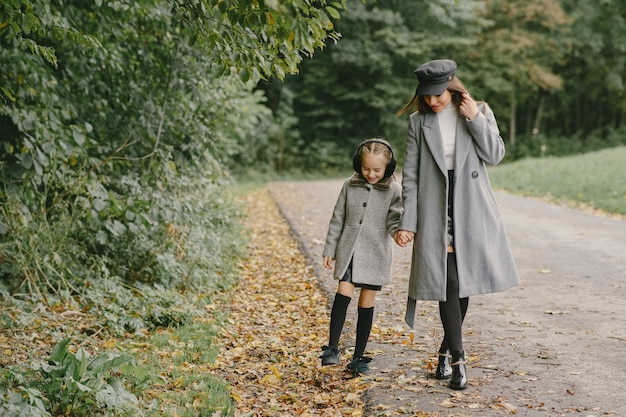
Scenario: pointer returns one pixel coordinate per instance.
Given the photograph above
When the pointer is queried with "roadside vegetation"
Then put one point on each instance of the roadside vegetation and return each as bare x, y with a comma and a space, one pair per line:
125, 125
593, 180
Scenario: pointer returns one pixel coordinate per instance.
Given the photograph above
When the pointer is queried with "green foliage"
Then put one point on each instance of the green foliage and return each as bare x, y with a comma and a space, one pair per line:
119, 121
199, 392
101, 159
188, 329
541, 145
75, 384
593, 71
147, 105
351, 90
24, 23
259, 39
105, 234
207, 398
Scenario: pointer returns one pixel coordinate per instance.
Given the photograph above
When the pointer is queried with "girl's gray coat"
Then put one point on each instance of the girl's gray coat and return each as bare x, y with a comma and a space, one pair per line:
364, 220
484, 260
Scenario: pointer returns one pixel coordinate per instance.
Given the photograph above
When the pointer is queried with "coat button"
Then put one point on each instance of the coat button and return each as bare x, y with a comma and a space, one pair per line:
474, 174
364, 204
360, 221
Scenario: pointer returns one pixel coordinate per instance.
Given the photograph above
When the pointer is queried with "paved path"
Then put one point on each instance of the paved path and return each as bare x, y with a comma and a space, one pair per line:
553, 346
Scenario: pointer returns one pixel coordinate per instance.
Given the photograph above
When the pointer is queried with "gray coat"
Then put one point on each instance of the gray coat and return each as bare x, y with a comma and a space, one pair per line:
484, 260
364, 220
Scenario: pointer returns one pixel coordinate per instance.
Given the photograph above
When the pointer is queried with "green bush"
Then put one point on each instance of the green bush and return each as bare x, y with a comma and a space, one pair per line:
540, 145
75, 384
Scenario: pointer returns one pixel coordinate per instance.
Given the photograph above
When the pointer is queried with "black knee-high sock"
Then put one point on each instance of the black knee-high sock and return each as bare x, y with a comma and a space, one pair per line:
338, 318
363, 329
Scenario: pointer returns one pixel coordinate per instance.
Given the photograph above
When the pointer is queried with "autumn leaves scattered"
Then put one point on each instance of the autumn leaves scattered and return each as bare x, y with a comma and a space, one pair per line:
279, 321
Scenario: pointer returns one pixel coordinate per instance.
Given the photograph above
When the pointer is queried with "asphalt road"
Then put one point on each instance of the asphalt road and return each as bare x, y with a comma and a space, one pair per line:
553, 346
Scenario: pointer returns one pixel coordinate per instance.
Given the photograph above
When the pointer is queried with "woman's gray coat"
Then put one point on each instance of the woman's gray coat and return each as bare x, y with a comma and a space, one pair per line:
364, 220
484, 260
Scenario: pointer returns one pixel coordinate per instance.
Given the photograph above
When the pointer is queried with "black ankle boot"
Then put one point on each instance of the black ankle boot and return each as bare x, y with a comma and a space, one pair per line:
458, 380
444, 370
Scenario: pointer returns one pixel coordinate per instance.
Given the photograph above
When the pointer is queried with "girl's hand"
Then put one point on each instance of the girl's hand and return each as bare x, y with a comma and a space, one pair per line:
328, 262
468, 107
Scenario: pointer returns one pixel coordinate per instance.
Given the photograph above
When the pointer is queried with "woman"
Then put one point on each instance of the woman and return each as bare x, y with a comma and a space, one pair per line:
460, 246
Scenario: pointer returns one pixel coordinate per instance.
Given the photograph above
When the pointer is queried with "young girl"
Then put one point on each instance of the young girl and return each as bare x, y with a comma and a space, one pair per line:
360, 242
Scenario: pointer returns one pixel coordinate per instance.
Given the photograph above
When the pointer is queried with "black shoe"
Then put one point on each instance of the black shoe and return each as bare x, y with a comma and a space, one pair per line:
444, 370
330, 355
458, 380
359, 366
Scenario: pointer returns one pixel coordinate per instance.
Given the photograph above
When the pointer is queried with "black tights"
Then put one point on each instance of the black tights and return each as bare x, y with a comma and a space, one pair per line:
453, 310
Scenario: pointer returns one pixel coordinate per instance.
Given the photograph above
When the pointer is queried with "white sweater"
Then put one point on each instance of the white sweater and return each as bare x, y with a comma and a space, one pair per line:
447, 124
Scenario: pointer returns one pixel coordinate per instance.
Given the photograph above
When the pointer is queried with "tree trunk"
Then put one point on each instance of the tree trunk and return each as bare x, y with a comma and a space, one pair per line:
513, 123
539, 113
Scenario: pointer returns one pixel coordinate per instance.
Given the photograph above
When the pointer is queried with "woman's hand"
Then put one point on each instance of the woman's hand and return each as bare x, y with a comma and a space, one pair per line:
403, 237
468, 107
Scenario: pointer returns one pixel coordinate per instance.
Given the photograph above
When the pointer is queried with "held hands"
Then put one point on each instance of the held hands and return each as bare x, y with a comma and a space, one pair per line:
403, 237
468, 107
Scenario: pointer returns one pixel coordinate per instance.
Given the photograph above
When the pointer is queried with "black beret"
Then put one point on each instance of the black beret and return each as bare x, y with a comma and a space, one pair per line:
434, 76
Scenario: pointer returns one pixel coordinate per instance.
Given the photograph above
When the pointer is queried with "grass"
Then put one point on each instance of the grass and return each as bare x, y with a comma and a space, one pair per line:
186, 355
595, 180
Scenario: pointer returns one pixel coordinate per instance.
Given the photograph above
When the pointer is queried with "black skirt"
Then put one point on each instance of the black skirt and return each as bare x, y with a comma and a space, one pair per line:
347, 277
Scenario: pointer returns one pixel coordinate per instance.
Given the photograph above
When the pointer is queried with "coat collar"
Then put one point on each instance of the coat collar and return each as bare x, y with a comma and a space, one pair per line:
357, 180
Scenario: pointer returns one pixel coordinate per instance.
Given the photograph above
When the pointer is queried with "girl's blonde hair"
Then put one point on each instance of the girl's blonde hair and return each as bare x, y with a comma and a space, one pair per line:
417, 103
376, 146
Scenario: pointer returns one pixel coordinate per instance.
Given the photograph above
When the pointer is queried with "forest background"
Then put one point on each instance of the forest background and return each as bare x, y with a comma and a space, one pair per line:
124, 125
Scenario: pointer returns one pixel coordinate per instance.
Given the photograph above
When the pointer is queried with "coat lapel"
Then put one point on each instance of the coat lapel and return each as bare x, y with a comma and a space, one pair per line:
463, 143
464, 140
432, 136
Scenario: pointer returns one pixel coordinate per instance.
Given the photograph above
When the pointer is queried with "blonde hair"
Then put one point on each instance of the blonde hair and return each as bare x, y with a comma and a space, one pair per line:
376, 146
417, 103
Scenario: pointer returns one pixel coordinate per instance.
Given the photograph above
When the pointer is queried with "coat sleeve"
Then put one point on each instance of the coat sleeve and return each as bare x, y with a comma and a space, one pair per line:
409, 176
335, 228
395, 210
486, 136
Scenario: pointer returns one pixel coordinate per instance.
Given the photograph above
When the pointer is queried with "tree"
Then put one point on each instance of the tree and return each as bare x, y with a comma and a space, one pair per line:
352, 90
520, 54
594, 68
260, 38
132, 106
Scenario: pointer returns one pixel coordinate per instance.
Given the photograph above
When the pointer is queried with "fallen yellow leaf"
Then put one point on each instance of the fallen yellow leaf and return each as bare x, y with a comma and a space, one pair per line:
110, 344
270, 379
275, 371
